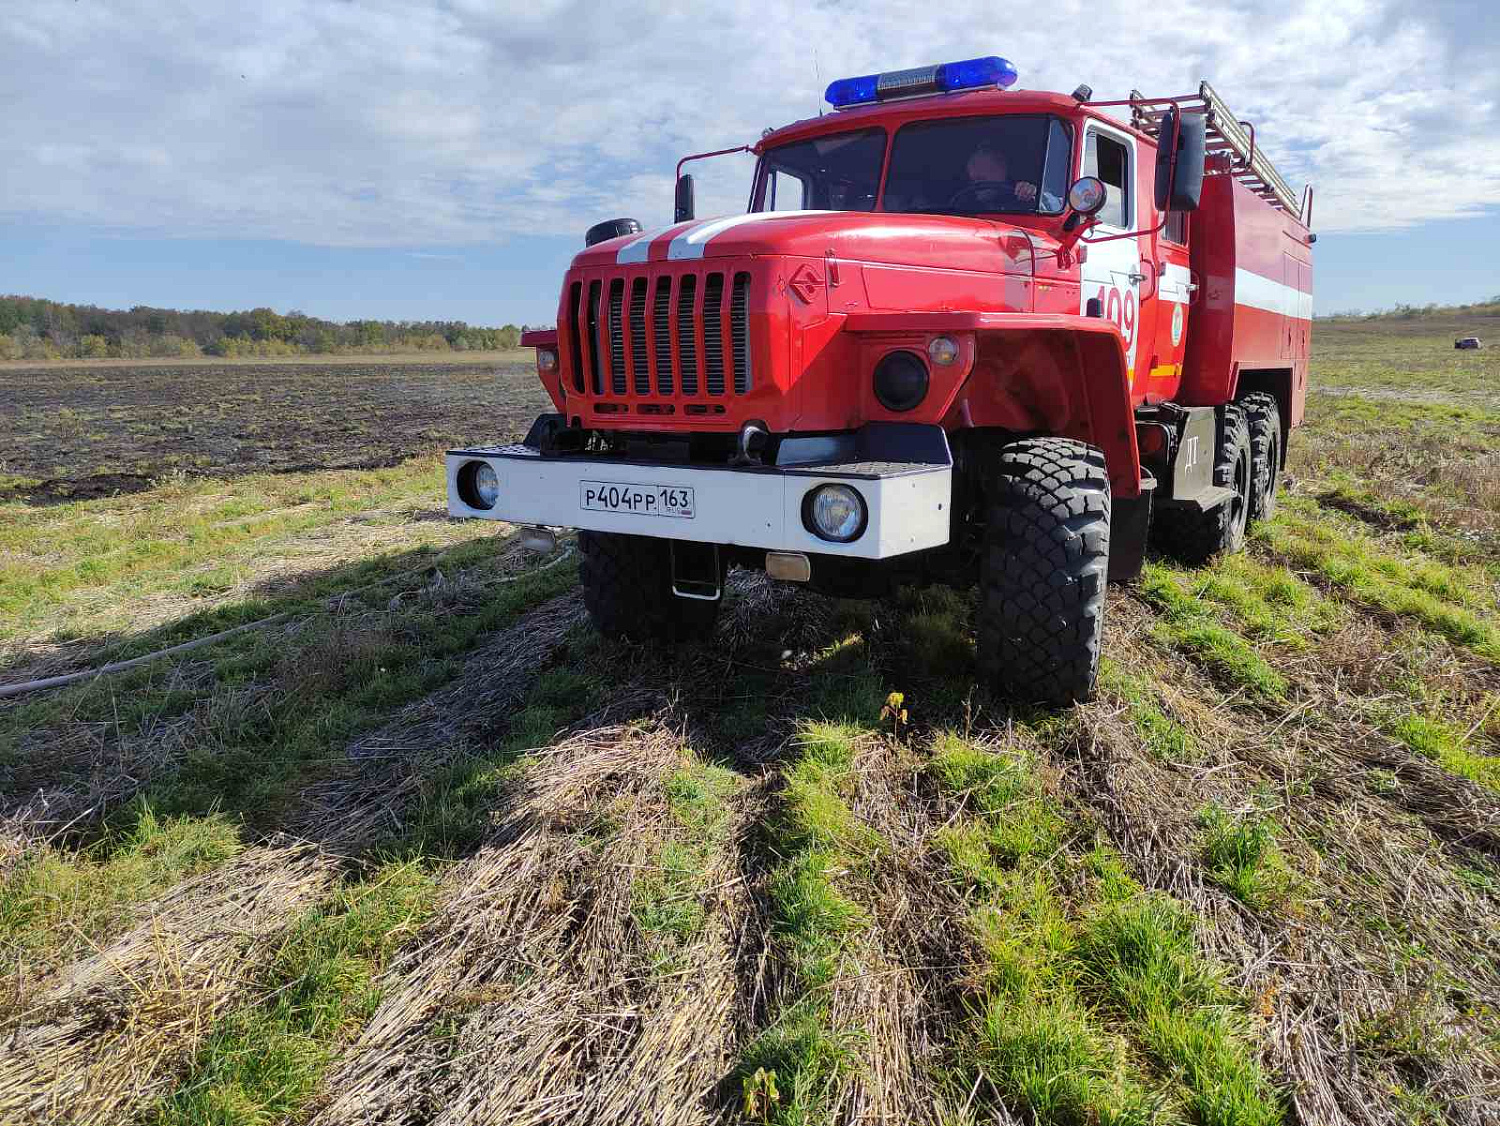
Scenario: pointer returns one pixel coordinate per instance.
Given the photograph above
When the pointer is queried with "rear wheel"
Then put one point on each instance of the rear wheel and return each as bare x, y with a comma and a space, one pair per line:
1195, 537
1263, 417
627, 587
1043, 571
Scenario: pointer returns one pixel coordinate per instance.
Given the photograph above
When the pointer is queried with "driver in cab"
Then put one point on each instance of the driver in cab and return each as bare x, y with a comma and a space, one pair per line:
990, 186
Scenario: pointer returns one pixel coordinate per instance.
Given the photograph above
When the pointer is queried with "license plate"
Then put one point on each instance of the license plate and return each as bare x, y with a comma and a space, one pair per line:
637, 500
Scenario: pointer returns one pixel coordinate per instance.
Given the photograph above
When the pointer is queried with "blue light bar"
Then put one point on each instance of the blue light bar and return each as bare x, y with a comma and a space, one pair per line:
970, 74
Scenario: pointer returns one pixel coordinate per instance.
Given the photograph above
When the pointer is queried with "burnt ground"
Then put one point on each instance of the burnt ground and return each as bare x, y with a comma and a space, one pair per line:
87, 432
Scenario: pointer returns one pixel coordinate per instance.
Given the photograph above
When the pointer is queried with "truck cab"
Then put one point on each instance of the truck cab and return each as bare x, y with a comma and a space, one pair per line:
962, 334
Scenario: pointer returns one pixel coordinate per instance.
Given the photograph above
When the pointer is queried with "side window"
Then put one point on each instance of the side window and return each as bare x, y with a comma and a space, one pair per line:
1176, 228
786, 192
1109, 160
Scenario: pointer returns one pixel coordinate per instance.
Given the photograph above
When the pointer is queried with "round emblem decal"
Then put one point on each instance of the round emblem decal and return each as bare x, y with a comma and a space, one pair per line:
1176, 324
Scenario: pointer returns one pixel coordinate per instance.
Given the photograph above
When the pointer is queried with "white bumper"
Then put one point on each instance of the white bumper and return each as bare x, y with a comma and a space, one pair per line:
761, 507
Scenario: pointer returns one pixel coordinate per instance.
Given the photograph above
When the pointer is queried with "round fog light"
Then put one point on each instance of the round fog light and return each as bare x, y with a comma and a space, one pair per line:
478, 484
943, 350
835, 513
546, 359
900, 380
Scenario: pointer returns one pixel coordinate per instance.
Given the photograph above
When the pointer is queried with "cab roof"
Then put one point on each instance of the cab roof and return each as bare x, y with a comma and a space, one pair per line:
964, 103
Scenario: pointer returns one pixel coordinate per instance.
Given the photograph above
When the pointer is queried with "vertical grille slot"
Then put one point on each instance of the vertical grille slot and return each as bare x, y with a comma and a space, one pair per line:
617, 336
739, 332
713, 333
687, 337
592, 327
638, 366
575, 313
661, 322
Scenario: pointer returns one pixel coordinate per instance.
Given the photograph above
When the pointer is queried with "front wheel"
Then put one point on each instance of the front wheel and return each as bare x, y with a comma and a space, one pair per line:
1044, 570
627, 588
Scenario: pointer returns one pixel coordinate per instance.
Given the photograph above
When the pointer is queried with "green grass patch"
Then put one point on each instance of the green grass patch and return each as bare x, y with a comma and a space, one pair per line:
1141, 958
1241, 855
1449, 746
265, 1061
1453, 602
55, 905
669, 901
1013, 815
280, 704
1190, 624
813, 894
1096, 1005
1162, 736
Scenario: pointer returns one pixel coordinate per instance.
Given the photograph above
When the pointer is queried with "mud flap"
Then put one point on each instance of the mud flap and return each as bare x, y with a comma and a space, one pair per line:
1129, 522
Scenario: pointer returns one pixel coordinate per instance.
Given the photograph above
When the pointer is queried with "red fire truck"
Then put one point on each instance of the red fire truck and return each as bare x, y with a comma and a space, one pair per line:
962, 334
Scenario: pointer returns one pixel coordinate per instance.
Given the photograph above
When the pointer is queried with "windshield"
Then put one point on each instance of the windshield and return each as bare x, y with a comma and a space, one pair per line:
980, 165
836, 173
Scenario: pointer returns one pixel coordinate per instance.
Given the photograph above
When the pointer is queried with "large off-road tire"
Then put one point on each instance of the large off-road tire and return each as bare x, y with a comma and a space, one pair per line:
627, 588
1044, 570
1195, 537
1263, 417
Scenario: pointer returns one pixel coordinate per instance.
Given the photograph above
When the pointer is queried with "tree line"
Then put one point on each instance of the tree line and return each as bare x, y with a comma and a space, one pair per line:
33, 328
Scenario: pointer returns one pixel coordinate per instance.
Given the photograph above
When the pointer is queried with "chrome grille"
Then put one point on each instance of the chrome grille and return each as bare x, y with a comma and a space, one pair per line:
687, 335
617, 336
658, 339
739, 332
713, 333
638, 337
662, 322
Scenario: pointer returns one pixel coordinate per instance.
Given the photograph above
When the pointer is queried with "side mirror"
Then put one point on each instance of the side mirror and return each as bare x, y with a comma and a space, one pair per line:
683, 211
1087, 195
1180, 192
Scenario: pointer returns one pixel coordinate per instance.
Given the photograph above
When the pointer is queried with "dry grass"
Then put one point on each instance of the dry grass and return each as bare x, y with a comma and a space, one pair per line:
528, 998
111, 1033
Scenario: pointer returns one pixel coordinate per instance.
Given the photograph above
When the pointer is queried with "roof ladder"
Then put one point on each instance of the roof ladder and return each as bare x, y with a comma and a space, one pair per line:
1228, 135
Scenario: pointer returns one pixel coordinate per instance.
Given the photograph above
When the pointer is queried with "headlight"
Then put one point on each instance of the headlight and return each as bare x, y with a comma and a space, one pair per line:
546, 359
900, 381
478, 484
835, 513
942, 350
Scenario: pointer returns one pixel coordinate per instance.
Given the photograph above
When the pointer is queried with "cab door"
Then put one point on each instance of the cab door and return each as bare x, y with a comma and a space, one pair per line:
1112, 273
1169, 312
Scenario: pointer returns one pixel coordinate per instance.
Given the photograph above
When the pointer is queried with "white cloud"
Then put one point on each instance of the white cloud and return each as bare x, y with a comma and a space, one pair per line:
396, 123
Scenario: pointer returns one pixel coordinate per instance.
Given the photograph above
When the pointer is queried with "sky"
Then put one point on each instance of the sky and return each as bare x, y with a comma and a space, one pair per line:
413, 160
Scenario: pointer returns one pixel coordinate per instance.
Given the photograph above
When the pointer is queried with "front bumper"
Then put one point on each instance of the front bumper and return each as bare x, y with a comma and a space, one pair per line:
903, 472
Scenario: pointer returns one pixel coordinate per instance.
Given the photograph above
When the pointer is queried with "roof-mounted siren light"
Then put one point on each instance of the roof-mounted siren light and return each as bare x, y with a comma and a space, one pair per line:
969, 74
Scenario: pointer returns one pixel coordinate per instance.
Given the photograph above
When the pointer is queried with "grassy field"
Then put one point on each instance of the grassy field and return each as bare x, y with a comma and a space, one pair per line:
427, 849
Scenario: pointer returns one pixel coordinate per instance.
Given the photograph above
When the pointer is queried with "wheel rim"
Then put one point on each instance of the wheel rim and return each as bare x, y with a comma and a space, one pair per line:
1240, 505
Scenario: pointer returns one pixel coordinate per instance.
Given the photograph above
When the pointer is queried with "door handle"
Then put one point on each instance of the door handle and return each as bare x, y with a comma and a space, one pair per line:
1136, 279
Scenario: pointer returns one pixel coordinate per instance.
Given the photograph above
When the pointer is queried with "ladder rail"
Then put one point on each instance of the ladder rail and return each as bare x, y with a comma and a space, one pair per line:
1227, 134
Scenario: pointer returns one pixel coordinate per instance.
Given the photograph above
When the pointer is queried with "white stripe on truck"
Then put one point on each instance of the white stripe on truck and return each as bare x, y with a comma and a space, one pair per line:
1260, 292
693, 242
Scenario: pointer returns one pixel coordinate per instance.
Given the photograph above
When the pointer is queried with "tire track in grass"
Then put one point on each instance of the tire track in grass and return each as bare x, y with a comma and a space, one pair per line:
1450, 601
532, 991
854, 999
112, 1033
1373, 1008
268, 711
288, 1035
1374, 697
1094, 1002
